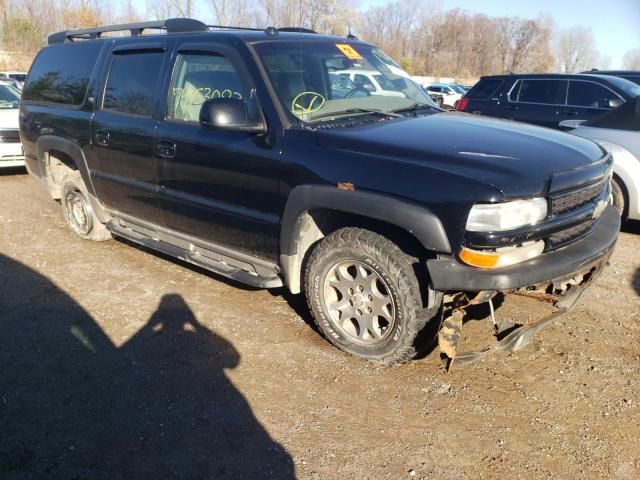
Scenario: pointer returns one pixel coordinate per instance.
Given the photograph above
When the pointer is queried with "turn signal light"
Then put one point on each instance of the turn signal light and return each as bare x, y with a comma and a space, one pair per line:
502, 257
479, 259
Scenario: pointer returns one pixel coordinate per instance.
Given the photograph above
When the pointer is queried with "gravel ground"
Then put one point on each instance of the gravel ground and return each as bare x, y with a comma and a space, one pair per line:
116, 362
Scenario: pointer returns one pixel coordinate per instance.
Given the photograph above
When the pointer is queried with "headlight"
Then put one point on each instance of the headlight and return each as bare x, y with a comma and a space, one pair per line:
499, 217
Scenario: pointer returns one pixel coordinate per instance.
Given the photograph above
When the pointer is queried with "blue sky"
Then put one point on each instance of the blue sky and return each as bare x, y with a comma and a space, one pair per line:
615, 23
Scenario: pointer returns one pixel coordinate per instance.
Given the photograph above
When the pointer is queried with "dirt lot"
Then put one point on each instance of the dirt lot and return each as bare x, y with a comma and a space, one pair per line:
119, 363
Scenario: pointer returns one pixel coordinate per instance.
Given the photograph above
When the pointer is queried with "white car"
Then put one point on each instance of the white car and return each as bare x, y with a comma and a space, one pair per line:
369, 82
450, 94
618, 132
11, 153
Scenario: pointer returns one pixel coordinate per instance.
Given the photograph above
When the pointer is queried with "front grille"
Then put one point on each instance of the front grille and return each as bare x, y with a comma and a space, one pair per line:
570, 234
9, 136
578, 198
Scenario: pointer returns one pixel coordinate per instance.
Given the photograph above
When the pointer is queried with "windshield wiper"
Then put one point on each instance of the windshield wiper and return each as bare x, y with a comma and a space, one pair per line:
413, 108
351, 111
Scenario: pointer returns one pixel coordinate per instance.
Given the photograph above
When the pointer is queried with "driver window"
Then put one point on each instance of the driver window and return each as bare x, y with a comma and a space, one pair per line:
198, 78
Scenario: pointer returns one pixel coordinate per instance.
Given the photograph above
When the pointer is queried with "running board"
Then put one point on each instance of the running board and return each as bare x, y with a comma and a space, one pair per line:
248, 270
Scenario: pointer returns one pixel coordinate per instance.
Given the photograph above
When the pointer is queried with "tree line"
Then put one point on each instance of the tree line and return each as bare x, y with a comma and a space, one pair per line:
424, 38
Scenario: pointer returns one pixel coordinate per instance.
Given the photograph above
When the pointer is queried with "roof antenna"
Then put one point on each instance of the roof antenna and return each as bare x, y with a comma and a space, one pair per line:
350, 35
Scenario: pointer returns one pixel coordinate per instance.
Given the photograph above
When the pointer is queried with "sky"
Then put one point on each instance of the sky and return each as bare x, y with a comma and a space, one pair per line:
615, 23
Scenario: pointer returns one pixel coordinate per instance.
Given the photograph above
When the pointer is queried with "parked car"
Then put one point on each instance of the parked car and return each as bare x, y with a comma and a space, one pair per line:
19, 76
11, 154
228, 149
631, 75
547, 99
618, 132
446, 94
368, 82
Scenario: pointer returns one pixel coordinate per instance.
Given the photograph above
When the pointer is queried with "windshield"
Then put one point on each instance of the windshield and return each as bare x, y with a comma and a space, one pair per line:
9, 96
314, 80
626, 86
458, 89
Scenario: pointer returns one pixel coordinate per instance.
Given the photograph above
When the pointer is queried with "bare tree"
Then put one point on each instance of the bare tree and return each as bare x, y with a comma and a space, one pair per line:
631, 59
575, 49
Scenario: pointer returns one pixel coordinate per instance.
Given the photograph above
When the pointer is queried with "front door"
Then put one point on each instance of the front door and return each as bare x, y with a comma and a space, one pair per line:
220, 186
123, 130
587, 100
537, 101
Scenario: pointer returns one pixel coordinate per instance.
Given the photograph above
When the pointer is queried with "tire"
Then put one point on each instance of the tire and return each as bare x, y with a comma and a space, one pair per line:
619, 200
77, 209
361, 274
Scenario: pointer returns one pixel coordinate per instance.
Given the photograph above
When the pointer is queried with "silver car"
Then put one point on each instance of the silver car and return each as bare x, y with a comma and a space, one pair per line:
618, 131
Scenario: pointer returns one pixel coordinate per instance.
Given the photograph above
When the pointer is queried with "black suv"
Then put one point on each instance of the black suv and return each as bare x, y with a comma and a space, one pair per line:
547, 99
229, 148
631, 75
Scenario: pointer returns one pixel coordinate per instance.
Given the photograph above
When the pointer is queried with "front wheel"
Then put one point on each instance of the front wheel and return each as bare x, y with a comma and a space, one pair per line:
365, 296
618, 197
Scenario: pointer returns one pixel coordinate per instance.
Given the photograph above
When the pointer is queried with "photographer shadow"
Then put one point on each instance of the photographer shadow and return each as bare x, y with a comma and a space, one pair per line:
73, 405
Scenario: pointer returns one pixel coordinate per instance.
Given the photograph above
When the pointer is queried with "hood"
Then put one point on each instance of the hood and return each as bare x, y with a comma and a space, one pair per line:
9, 117
518, 159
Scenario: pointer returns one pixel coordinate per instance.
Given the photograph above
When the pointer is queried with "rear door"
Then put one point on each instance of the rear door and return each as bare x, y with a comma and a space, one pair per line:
587, 100
537, 100
123, 130
220, 186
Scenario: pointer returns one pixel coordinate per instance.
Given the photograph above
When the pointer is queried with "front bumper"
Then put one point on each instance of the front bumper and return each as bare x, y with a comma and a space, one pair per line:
447, 274
11, 155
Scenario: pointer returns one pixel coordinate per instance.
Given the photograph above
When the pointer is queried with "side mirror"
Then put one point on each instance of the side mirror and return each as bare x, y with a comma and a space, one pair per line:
570, 124
615, 102
229, 114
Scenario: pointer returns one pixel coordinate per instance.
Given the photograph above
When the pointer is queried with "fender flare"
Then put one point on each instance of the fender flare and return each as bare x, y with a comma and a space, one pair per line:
45, 143
414, 219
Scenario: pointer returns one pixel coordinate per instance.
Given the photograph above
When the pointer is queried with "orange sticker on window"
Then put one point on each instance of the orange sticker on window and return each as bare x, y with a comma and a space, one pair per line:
349, 51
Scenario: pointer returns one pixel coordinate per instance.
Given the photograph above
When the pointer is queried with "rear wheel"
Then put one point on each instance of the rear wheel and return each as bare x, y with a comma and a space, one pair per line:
365, 297
77, 209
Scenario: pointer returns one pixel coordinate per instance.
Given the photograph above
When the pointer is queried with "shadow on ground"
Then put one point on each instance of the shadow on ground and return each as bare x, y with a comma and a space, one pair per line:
631, 226
13, 171
635, 282
74, 406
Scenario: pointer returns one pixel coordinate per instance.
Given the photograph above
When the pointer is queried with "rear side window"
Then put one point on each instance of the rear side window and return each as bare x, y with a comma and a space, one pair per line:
132, 82
543, 91
485, 88
60, 74
589, 94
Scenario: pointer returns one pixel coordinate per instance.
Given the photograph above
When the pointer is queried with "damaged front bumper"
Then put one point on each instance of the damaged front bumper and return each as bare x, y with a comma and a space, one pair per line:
447, 274
560, 278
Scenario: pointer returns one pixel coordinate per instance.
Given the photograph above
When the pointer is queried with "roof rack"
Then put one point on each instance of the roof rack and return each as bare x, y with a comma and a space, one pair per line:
229, 27
171, 25
297, 30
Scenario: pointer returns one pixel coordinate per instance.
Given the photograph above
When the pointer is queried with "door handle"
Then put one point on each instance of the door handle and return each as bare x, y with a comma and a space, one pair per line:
102, 137
511, 108
165, 149
571, 113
